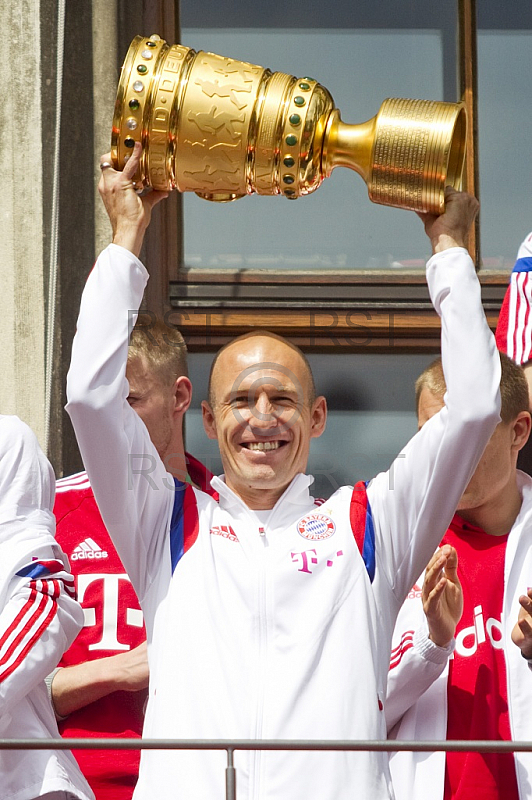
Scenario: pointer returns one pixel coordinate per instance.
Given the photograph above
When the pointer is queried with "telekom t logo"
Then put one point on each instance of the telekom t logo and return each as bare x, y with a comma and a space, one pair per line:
109, 640
306, 557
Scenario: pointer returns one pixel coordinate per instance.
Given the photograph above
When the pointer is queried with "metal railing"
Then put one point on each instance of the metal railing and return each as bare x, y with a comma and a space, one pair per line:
231, 745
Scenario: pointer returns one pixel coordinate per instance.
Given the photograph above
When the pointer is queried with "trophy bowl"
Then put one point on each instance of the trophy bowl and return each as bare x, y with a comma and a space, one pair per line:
224, 128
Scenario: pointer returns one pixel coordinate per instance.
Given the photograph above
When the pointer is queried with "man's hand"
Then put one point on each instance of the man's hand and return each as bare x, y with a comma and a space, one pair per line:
77, 686
129, 213
442, 595
522, 632
451, 228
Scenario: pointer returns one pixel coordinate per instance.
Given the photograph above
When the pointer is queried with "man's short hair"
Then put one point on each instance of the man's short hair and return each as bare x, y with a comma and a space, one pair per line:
161, 345
514, 386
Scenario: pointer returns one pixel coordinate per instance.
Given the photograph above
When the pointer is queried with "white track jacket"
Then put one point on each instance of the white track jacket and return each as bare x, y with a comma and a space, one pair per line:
416, 707
39, 619
283, 633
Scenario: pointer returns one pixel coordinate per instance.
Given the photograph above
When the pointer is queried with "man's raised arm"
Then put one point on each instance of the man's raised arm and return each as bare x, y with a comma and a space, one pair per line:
134, 492
415, 501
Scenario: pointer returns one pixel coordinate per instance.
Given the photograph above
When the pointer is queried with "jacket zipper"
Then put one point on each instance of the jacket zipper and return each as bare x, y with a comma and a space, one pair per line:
255, 792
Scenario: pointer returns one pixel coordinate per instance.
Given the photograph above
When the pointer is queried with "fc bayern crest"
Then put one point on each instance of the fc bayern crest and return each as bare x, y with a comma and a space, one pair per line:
316, 526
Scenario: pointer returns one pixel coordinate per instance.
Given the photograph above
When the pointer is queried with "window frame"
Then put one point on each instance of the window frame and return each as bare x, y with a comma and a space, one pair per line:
335, 310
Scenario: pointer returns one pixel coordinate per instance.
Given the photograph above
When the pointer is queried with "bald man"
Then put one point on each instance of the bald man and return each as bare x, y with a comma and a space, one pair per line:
269, 616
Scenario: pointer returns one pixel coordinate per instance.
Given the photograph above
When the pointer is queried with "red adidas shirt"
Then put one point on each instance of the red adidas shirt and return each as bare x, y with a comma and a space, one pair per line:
477, 695
113, 624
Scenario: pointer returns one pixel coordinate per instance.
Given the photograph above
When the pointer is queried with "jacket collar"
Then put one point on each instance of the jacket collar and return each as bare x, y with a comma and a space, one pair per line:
295, 495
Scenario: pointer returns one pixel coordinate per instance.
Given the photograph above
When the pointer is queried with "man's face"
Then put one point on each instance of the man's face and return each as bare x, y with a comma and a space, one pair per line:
496, 467
153, 401
262, 417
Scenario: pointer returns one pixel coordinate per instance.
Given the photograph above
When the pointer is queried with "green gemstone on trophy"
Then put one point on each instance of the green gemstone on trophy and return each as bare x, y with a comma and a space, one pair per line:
295, 119
151, 44
129, 142
291, 140
288, 178
304, 86
299, 101
288, 161
134, 104
142, 68
290, 194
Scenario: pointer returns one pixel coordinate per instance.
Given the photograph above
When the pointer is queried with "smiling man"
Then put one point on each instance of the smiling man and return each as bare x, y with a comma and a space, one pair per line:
268, 617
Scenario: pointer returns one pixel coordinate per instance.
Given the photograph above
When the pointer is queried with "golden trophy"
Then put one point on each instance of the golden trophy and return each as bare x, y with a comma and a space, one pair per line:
224, 128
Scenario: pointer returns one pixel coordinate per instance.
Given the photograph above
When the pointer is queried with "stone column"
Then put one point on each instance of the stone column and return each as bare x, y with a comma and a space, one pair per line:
22, 297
